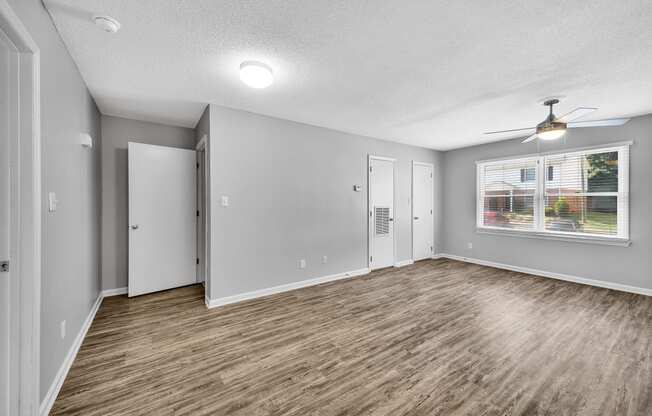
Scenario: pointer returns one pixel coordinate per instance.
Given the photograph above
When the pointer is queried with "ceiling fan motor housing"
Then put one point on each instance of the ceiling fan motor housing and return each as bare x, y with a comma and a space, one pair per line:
549, 124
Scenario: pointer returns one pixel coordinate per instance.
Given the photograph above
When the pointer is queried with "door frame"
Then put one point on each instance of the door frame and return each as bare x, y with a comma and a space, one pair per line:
369, 213
25, 219
203, 148
432, 213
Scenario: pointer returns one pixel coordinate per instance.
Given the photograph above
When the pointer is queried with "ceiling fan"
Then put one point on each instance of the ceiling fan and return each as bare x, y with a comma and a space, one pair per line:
554, 127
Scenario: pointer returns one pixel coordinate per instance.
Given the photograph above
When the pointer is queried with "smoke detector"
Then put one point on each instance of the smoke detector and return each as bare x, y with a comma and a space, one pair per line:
106, 23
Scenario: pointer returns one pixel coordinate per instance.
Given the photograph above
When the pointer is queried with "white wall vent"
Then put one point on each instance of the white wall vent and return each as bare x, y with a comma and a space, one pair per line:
382, 221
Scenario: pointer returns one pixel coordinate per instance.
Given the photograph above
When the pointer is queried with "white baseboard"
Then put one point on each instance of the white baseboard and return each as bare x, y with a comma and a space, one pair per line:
114, 292
543, 273
213, 303
60, 377
403, 263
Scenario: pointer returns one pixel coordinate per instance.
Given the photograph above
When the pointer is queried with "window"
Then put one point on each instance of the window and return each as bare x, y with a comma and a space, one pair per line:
528, 174
508, 195
582, 194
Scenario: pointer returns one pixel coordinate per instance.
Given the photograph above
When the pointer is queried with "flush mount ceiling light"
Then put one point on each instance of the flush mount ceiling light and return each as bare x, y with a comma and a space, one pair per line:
106, 23
256, 74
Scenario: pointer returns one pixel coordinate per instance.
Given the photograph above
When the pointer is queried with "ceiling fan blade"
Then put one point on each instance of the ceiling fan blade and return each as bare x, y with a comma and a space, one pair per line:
599, 123
529, 139
509, 131
575, 114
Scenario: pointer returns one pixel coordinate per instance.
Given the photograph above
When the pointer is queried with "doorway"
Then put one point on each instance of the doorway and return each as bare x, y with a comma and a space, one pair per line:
422, 211
381, 212
202, 210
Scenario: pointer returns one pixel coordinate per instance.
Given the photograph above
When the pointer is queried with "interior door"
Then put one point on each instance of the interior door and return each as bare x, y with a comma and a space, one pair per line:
162, 218
7, 55
422, 202
381, 212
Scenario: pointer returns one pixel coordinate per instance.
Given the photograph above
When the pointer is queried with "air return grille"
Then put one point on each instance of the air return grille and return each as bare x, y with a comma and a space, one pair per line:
382, 220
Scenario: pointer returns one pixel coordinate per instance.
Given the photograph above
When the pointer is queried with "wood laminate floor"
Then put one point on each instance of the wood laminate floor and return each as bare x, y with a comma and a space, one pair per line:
436, 338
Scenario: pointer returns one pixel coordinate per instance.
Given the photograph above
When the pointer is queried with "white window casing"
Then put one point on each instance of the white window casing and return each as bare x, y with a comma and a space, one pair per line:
586, 199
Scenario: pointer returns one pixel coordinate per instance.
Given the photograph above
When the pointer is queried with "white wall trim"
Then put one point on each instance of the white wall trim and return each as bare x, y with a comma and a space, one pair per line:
60, 377
403, 263
114, 292
201, 144
213, 303
558, 276
548, 235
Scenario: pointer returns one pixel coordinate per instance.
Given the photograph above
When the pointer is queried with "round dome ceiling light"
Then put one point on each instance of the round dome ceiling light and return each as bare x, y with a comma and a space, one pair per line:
256, 74
106, 23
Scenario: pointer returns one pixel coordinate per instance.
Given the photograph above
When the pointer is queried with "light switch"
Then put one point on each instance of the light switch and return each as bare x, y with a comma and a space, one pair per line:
52, 202
225, 201
86, 140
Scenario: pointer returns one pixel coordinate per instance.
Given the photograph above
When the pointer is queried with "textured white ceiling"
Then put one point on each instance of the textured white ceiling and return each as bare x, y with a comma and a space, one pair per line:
430, 73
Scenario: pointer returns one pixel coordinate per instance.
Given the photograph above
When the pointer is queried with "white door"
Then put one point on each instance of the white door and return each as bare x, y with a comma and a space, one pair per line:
422, 219
381, 212
162, 218
7, 55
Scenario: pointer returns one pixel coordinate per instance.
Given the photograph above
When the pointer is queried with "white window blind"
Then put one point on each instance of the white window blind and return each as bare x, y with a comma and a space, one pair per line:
507, 193
582, 193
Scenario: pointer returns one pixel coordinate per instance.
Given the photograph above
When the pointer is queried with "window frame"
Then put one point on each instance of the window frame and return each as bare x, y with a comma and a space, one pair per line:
539, 231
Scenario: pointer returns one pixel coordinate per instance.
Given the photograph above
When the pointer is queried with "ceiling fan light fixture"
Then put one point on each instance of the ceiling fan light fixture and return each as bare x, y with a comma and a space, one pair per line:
551, 134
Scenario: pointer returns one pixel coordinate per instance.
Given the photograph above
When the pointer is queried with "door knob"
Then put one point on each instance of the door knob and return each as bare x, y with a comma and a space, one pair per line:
134, 227
416, 218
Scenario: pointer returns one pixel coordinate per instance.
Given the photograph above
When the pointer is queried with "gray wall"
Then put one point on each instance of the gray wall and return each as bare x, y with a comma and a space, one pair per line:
291, 197
623, 265
116, 133
71, 235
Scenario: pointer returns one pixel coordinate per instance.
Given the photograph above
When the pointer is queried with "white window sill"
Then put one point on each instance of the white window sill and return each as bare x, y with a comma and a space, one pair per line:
574, 238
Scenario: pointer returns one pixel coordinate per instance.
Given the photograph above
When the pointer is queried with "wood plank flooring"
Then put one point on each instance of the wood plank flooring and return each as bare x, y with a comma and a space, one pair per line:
436, 338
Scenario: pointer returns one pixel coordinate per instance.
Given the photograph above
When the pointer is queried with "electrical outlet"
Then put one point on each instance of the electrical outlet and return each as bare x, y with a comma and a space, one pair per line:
324, 259
225, 201
301, 263
63, 329
469, 246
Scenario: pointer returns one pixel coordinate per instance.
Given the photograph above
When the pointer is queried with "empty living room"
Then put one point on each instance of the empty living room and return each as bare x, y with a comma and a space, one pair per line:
325, 207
